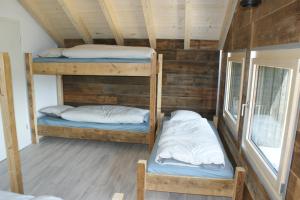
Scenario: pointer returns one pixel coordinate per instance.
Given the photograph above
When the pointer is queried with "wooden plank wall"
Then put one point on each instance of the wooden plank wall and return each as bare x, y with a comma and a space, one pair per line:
274, 22
189, 79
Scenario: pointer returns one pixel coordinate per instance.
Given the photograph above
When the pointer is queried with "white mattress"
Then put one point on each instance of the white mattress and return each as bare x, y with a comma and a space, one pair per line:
107, 51
13, 196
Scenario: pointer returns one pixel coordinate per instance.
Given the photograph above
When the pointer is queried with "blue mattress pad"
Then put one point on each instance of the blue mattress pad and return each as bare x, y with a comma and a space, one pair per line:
142, 128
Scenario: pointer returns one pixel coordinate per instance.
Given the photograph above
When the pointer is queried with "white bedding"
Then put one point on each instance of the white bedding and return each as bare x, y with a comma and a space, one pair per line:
13, 196
189, 143
106, 114
108, 51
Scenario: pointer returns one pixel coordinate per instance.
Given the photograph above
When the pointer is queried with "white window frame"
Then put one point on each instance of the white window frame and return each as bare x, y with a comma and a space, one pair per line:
288, 58
237, 57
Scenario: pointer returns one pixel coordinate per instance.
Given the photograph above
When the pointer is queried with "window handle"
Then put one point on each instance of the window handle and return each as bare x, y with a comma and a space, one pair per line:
244, 106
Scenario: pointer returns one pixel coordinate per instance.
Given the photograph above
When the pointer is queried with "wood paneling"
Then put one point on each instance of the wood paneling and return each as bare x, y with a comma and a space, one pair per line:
274, 22
189, 80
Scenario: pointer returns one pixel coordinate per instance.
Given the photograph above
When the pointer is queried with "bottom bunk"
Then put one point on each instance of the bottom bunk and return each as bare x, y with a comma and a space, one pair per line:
109, 123
117, 132
209, 179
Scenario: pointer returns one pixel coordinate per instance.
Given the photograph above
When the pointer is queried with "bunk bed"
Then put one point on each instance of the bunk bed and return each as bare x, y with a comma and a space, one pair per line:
100, 67
11, 139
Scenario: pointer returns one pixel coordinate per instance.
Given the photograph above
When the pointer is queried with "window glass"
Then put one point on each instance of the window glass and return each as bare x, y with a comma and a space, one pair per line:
234, 89
267, 127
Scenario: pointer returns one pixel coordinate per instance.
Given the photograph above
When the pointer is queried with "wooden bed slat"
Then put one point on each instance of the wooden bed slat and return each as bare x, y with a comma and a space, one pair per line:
189, 185
31, 98
92, 134
103, 69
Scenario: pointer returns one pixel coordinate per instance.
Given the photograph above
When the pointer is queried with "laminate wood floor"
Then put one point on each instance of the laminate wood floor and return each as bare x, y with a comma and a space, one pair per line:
84, 170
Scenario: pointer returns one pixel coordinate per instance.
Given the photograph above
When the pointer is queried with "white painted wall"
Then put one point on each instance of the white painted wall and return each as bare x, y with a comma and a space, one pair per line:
33, 39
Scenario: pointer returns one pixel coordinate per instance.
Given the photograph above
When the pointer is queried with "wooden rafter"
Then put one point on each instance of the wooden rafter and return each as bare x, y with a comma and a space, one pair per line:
148, 16
227, 21
75, 19
112, 21
187, 24
9, 125
32, 8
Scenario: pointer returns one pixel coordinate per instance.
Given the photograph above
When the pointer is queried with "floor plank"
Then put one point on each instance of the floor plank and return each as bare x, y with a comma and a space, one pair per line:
84, 170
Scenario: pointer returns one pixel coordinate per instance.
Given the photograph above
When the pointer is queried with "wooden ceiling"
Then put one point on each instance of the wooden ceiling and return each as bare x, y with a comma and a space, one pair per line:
119, 19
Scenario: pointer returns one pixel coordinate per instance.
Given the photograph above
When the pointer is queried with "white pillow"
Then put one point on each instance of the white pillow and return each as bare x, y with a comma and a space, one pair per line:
106, 114
55, 111
51, 53
46, 198
184, 115
108, 51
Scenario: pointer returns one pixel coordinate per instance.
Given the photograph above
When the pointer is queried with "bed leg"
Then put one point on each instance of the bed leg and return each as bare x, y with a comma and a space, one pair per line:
151, 141
239, 179
141, 172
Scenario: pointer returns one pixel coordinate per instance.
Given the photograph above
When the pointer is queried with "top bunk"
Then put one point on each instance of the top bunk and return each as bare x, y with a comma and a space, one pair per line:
105, 60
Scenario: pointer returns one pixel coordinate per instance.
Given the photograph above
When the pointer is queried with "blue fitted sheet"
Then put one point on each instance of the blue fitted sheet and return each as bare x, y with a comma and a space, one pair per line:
91, 60
204, 171
142, 128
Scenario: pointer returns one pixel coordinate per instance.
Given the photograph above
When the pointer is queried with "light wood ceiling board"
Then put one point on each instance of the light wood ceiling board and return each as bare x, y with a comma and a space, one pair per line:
112, 20
231, 5
52, 10
62, 24
32, 7
206, 18
187, 24
93, 18
169, 18
148, 16
205, 32
75, 19
131, 18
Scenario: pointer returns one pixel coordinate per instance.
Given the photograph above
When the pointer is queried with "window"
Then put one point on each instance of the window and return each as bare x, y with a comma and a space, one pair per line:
271, 116
233, 90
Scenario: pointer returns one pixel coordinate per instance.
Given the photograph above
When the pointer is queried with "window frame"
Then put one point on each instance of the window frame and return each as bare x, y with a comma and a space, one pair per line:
288, 59
237, 57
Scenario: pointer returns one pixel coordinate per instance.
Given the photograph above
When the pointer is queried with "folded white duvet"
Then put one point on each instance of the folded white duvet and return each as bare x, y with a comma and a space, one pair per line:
108, 51
106, 114
189, 143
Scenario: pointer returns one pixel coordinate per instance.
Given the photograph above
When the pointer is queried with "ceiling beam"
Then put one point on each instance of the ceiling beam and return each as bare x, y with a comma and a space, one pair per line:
230, 10
112, 21
33, 9
187, 24
148, 16
75, 19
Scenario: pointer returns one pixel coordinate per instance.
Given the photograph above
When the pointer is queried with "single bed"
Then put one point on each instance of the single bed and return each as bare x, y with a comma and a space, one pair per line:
208, 180
208, 171
144, 64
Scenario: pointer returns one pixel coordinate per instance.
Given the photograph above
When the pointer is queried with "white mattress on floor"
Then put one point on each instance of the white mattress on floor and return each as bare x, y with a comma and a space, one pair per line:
13, 196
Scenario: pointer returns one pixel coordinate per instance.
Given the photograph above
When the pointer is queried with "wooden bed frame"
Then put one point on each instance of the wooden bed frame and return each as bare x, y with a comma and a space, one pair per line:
187, 184
152, 70
9, 125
